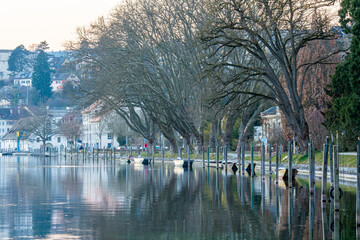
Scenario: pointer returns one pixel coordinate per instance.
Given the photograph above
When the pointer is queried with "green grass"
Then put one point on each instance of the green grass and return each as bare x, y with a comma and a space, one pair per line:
345, 160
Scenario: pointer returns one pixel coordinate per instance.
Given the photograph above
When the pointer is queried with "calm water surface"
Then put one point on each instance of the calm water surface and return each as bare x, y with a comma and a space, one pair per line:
58, 199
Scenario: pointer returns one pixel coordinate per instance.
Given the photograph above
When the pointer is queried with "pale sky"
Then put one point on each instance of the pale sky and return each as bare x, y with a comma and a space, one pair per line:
32, 21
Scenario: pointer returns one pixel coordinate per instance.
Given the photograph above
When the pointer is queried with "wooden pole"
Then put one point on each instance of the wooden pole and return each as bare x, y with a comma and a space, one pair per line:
336, 179
188, 157
217, 157
263, 160
252, 159
162, 155
208, 156
324, 172
243, 158
203, 156
225, 158
331, 162
277, 164
358, 187
311, 190
270, 159
290, 164
238, 153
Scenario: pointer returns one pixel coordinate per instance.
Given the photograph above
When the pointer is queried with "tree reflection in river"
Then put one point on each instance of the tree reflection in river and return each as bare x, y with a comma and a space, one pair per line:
52, 199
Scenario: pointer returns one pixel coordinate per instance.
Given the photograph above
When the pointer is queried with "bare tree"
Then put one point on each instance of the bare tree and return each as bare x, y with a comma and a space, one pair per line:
70, 126
271, 33
43, 127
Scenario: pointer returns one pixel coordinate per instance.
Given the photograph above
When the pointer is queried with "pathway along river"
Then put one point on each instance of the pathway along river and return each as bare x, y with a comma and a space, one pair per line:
58, 199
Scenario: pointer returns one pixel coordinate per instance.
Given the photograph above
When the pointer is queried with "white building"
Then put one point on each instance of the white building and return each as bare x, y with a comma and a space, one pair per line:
98, 130
23, 79
271, 122
58, 80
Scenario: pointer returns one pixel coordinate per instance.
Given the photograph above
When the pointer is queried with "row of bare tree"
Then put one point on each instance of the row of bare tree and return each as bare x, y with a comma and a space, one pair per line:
175, 66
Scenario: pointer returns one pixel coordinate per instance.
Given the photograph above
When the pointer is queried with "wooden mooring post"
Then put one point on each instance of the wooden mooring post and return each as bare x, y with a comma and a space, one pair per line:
162, 155
358, 190
252, 159
277, 164
217, 157
324, 191
238, 156
243, 158
189, 157
311, 169
336, 179
208, 156
270, 159
263, 161
225, 158
290, 158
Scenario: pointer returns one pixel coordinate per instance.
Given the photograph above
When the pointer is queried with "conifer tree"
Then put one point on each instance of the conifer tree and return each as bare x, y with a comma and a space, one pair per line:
343, 114
41, 80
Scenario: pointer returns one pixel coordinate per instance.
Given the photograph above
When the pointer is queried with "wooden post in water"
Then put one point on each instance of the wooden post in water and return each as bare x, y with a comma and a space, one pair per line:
336, 179
252, 159
311, 174
93, 154
208, 156
120, 152
243, 158
203, 156
225, 158
263, 160
238, 155
188, 157
162, 155
358, 188
277, 164
270, 159
331, 162
217, 157
290, 156
65, 153
324, 172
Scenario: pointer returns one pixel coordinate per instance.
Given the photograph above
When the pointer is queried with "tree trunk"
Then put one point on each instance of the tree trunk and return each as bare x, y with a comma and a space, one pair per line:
230, 121
242, 136
213, 135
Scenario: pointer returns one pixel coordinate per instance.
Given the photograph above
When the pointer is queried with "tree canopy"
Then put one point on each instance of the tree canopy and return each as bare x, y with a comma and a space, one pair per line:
18, 60
41, 79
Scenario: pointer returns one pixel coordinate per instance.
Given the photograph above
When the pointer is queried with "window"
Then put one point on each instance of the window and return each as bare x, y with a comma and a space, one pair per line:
3, 123
59, 139
110, 136
38, 139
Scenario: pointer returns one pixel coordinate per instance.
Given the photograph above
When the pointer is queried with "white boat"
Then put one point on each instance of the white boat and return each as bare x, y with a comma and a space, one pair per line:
141, 160
183, 163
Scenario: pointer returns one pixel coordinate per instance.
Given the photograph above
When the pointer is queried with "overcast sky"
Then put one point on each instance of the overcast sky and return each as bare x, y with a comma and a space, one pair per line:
32, 21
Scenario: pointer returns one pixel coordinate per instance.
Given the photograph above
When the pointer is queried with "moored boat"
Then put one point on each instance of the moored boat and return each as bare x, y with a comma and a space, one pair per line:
283, 173
183, 163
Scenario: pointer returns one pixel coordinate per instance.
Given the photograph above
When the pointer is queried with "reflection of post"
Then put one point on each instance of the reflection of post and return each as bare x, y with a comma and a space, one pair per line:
324, 221
336, 226
252, 193
242, 189
277, 204
311, 216
263, 196
270, 189
290, 205
358, 190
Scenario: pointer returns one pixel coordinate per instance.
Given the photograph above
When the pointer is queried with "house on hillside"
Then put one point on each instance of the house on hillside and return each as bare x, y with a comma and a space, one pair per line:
98, 127
23, 79
59, 79
271, 123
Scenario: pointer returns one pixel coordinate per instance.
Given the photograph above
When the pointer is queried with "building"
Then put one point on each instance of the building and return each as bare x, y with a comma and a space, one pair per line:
59, 79
23, 79
97, 129
271, 123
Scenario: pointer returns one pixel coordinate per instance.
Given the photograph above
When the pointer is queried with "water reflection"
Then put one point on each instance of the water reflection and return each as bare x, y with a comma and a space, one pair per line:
46, 199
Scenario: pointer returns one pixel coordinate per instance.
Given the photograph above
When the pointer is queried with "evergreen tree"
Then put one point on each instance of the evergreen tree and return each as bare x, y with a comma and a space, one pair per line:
343, 114
41, 80
18, 60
